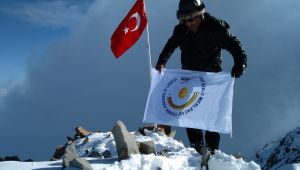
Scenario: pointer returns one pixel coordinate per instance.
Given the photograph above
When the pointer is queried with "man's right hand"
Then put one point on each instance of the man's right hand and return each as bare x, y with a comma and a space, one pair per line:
159, 67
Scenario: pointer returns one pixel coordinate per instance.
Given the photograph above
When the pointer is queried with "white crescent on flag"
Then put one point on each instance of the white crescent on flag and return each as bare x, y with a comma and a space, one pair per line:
137, 25
138, 19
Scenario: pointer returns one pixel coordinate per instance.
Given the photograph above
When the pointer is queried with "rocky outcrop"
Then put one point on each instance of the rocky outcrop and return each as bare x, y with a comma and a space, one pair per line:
80, 133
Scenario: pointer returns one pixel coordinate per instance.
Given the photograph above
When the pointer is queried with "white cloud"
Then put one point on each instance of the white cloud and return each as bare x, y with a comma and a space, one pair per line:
55, 13
3, 92
12, 85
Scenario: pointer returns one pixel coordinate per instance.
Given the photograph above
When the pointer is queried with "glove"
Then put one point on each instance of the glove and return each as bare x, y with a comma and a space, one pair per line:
159, 67
237, 70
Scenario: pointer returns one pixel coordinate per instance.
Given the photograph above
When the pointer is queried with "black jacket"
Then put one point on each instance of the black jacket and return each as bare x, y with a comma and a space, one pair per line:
201, 51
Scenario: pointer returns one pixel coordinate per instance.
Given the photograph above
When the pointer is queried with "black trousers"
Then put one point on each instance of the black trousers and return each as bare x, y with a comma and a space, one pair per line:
212, 139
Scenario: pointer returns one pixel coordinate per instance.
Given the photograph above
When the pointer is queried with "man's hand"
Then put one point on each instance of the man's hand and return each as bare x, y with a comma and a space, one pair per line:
238, 70
159, 67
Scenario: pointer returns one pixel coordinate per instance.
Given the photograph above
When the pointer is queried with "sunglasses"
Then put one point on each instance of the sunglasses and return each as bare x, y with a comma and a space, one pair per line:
188, 19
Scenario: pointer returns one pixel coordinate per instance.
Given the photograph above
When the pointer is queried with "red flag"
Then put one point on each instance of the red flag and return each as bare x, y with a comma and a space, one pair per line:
130, 29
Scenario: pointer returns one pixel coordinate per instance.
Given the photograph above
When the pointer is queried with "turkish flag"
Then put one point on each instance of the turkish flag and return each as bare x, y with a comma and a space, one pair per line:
130, 29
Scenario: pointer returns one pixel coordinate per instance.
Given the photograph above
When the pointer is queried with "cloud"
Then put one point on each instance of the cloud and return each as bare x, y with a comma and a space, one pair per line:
3, 92
7, 87
55, 13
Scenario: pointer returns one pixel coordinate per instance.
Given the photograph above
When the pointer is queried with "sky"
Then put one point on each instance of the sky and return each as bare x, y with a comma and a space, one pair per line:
57, 70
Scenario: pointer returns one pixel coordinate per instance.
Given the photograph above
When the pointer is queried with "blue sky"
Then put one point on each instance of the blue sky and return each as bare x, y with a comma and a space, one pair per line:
21, 39
57, 70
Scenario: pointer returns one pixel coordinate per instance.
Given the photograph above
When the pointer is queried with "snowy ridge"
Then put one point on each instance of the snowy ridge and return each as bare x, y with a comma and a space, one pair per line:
178, 156
283, 153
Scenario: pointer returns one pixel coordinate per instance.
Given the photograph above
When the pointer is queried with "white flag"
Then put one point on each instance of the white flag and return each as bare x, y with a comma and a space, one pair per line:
191, 99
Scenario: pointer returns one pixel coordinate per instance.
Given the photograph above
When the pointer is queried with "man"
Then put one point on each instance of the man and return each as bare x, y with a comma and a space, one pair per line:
200, 38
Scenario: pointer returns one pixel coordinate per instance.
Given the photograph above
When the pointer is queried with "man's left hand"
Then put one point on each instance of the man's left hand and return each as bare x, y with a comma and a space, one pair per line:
238, 70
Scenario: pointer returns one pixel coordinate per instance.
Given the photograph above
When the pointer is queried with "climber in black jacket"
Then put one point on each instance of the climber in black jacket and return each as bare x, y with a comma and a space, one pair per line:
200, 38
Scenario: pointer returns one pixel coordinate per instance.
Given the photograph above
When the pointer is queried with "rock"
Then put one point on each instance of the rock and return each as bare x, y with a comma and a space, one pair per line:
12, 158
59, 152
239, 156
87, 151
69, 155
86, 140
28, 160
76, 137
273, 160
94, 154
108, 136
164, 152
125, 142
150, 128
123, 154
71, 159
81, 164
106, 154
70, 139
165, 129
172, 134
53, 159
80, 131
147, 147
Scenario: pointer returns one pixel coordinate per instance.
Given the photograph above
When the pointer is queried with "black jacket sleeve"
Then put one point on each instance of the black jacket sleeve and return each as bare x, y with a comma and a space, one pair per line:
226, 40
170, 47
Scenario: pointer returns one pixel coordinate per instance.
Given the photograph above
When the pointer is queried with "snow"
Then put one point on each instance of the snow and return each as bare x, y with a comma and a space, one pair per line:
179, 157
222, 161
290, 167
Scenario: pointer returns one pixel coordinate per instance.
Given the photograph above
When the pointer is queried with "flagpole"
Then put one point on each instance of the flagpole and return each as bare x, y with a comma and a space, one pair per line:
148, 46
149, 53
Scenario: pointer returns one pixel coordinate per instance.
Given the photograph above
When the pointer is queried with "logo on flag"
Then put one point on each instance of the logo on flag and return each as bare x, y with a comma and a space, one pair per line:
180, 98
130, 29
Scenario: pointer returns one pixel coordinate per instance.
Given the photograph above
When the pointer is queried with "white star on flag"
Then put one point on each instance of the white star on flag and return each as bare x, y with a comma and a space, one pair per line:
126, 30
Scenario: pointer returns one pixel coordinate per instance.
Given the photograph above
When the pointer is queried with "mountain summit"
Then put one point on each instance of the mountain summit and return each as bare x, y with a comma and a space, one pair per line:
283, 153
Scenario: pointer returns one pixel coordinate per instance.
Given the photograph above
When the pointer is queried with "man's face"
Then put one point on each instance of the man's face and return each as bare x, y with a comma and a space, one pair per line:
192, 22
